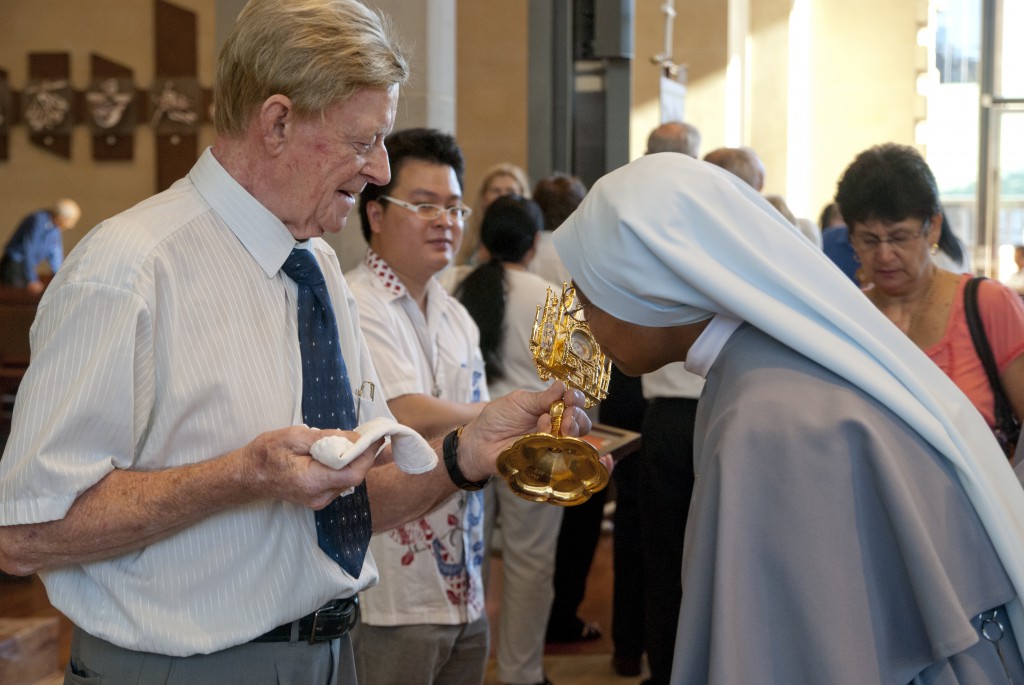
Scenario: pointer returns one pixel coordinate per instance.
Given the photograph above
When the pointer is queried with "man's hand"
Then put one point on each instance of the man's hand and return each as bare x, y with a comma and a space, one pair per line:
278, 466
516, 414
127, 510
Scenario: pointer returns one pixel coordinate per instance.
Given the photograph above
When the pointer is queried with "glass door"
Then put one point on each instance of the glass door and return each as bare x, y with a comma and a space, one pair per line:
1001, 138
951, 132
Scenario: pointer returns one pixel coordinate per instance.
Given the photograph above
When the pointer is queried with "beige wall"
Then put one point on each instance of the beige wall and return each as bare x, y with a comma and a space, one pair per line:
858, 76
119, 30
700, 44
768, 82
861, 67
864, 68
860, 71
491, 95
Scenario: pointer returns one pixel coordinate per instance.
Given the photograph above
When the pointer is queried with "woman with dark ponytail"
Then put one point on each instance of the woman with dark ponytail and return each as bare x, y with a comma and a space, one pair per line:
509, 232
502, 297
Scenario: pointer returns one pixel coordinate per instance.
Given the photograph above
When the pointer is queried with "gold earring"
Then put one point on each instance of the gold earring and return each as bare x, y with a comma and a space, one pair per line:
935, 248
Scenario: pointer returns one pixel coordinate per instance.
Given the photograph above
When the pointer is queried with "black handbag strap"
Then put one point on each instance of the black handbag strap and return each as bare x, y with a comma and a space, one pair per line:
1003, 413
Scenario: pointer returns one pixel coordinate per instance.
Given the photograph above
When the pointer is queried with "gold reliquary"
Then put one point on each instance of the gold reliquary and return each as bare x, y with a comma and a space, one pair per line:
548, 467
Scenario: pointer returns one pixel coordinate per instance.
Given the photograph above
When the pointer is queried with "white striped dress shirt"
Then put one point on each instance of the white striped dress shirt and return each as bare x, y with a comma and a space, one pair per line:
169, 338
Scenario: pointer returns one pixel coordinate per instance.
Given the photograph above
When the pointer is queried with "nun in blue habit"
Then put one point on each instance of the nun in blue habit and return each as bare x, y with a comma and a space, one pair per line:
853, 521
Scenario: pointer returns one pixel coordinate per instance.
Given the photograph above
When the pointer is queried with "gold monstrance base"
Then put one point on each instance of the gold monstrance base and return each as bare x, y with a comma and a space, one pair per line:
548, 467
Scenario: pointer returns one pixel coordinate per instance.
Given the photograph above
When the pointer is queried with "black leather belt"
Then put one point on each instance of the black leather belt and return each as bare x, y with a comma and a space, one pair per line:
329, 622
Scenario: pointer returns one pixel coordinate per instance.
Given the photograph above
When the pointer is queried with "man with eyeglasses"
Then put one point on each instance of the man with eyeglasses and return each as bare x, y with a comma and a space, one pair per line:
426, 622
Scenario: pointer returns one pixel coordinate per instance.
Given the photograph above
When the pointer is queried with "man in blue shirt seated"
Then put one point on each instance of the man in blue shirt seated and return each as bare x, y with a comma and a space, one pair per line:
37, 239
835, 243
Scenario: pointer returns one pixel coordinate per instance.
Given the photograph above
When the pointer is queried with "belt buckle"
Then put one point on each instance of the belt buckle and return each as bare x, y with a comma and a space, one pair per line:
333, 620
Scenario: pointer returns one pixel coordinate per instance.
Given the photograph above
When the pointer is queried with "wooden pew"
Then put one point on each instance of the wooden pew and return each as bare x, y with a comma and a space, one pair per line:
17, 312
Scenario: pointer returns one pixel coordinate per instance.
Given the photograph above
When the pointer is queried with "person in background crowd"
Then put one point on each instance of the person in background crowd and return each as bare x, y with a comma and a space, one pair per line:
38, 239
743, 162
674, 136
500, 179
805, 226
558, 196
835, 243
890, 200
830, 217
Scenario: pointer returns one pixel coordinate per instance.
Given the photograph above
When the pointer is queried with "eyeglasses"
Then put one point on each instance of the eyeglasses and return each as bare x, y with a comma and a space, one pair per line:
458, 213
899, 239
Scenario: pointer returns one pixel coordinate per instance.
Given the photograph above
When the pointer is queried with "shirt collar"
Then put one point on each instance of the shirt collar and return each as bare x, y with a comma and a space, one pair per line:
382, 270
393, 285
260, 232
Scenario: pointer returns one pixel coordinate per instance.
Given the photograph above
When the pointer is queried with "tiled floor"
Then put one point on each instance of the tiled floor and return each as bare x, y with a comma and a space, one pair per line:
588, 663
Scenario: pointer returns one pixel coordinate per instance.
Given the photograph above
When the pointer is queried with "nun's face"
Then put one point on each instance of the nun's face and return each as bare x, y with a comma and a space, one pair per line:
636, 349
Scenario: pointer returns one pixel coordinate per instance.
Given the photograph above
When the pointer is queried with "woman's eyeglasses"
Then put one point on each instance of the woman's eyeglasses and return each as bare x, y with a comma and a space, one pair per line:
899, 239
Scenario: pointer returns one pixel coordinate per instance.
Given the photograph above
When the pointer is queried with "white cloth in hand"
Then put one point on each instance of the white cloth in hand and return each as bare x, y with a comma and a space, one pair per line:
410, 451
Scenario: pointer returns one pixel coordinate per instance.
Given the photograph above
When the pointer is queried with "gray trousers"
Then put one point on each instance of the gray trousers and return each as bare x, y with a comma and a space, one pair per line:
98, 662
422, 654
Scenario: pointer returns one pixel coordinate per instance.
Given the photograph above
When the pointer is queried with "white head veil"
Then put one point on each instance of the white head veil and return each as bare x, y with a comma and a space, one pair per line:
669, 240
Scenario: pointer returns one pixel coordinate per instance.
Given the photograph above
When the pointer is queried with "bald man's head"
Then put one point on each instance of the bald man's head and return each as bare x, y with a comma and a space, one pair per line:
739, 161
675, 136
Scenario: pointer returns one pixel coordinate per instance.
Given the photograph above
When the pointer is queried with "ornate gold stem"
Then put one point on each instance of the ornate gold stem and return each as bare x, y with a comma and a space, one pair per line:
556, 416
549, 467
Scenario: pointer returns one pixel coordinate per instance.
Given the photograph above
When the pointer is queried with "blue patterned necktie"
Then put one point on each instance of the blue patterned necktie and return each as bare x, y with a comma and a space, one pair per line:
343, 526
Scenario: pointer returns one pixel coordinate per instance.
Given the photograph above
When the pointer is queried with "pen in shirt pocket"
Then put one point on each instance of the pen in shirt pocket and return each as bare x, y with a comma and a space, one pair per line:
364, 393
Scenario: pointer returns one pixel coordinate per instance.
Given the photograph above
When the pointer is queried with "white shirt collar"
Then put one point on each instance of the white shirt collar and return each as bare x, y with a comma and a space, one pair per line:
709, 344
259, 231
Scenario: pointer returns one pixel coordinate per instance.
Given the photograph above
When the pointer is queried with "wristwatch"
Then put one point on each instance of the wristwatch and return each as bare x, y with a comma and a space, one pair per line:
450, 449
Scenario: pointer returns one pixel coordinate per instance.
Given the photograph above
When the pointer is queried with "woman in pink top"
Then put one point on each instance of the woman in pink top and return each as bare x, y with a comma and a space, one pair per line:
890, 201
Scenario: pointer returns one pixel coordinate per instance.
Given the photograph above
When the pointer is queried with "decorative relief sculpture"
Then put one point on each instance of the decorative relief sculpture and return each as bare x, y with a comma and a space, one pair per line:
108, 101
46, 106
175, 106
112, 105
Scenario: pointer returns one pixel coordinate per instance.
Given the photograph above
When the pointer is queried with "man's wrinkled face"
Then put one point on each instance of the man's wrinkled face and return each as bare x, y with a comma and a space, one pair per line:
329, 161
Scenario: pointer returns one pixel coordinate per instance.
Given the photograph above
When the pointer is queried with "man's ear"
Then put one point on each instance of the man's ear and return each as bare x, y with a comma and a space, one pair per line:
276, 122
375, 215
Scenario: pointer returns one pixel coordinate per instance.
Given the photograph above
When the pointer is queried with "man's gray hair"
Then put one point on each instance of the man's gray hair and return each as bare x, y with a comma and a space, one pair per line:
315, 52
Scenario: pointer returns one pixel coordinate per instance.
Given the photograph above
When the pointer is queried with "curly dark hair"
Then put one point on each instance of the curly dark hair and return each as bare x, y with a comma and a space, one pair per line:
887, 183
